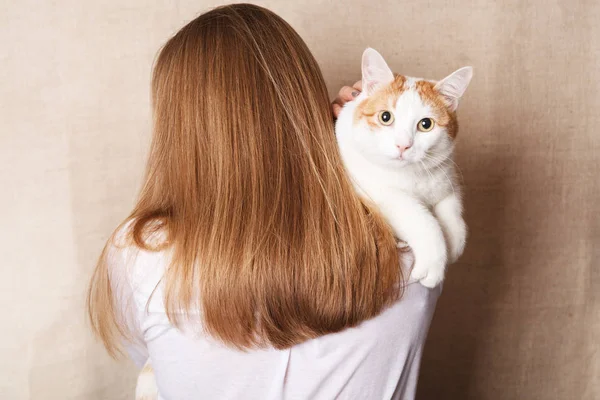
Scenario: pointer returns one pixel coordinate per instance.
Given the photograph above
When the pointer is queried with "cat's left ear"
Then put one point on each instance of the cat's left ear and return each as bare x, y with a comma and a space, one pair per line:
375, 71
454, 85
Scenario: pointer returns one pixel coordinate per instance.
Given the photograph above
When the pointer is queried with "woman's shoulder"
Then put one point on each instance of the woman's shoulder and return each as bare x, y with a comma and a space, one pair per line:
138, 268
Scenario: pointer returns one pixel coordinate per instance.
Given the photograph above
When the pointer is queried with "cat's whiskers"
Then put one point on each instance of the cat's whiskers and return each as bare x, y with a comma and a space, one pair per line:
426, 169
434, 157
438, 166
417, 172
434, 161
446, 159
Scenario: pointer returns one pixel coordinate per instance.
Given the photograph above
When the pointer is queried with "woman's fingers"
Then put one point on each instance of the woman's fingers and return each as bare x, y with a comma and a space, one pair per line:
336, 108
345, 95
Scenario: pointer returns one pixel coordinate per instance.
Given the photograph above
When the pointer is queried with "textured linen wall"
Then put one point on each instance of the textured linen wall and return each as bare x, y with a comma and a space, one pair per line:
519, 317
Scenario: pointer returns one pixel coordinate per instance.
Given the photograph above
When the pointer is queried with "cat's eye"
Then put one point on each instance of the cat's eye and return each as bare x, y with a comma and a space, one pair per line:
386, 118
425, 125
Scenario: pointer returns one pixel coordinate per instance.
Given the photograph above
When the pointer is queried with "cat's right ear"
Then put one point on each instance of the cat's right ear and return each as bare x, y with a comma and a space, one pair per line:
454, 85
375, 71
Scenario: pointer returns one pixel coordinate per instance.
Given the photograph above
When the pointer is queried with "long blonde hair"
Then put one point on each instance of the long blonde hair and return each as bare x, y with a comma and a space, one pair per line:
245, 178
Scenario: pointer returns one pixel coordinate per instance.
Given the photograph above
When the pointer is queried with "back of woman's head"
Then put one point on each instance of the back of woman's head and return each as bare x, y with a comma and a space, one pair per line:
267, 236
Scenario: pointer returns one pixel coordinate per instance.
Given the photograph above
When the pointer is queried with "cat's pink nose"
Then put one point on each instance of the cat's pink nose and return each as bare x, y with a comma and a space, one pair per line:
403, 148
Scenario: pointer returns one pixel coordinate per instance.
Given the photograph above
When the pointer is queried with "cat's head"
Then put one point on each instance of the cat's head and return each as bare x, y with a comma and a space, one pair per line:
400, 120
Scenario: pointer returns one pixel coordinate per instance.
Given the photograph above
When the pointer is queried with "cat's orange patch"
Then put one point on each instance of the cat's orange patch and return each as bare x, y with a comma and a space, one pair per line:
443, 116
382, 99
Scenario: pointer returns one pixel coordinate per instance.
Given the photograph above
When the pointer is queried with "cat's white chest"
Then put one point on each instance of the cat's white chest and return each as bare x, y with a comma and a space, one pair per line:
437, 185
429, 187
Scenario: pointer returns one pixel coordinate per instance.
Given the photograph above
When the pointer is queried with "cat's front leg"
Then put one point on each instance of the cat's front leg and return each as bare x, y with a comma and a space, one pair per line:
449, 214
414, 223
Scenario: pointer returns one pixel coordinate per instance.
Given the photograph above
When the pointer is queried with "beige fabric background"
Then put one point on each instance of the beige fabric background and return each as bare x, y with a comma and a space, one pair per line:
519, 316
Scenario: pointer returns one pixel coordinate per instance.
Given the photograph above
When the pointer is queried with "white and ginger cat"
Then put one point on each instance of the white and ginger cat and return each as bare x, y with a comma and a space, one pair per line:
397, 141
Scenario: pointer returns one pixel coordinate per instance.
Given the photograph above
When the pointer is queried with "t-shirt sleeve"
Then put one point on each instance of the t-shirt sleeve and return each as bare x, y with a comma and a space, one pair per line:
128, 311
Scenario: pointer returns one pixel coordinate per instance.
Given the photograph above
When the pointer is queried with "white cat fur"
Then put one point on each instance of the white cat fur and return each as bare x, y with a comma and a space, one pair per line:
419, 195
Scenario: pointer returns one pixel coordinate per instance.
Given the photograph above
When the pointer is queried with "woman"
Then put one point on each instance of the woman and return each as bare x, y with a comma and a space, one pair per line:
249, 268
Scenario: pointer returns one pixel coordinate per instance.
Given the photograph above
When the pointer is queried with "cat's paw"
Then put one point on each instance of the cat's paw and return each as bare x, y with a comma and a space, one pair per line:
433, 279
456, 245
402, 245
429, 273
455, 251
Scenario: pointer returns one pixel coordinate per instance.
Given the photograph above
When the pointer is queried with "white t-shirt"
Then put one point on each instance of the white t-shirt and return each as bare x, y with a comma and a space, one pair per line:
379, 359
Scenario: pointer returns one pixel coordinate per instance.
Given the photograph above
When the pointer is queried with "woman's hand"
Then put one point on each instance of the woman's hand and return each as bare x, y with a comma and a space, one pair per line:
345, 94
